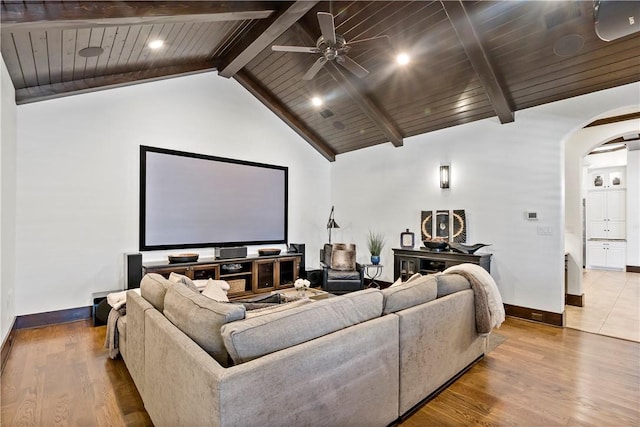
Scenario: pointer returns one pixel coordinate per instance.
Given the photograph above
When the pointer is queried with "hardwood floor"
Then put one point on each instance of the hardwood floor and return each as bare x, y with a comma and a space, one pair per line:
60, 375
544, 376
538, 376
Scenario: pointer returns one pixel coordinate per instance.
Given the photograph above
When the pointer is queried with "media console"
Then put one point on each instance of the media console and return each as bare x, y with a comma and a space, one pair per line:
246, 276
407, 262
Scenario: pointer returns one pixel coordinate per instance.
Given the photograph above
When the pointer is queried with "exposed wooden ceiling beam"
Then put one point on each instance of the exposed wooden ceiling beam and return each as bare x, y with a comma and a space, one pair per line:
71, 13
262, 36
614, 119
365, 103
284, 114
470, 41
58, 90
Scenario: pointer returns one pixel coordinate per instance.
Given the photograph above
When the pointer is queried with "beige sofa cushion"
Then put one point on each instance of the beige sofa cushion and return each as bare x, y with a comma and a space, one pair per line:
275, 308
451, 283
200, 318
153, 288
252, 338
415, 292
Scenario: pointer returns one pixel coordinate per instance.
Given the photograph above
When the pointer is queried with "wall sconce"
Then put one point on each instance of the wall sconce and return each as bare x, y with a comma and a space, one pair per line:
444, 176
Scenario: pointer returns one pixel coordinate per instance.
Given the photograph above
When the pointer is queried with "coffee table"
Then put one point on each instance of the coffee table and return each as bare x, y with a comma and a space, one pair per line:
293, 294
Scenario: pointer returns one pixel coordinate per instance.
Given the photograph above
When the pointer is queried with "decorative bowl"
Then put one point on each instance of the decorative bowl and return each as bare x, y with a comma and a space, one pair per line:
232, 267
435, 245
183, 258
268, 251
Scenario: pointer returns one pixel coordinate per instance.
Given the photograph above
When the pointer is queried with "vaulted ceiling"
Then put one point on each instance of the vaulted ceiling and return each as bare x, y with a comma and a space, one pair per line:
470, 60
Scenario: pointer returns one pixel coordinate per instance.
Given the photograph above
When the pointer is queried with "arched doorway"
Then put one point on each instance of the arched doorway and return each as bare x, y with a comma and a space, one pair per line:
577, 146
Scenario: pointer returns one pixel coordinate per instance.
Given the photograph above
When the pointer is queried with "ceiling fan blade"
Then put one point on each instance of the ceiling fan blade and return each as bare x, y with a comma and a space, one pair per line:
314, 68
327, 27
352, 66
301, 49
381, 42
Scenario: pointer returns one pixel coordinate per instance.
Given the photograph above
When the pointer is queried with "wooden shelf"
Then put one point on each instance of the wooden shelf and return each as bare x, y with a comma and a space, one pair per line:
259, 274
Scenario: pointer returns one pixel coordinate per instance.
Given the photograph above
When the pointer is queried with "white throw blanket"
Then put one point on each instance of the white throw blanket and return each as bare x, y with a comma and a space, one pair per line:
117, 301
481, 276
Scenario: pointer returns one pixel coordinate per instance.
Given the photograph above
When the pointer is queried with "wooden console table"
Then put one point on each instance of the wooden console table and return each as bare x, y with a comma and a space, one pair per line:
246, 276
407, 262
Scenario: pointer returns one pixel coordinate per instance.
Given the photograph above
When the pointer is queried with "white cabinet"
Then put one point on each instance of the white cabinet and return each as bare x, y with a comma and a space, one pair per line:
610, 255
606, 214
600, 179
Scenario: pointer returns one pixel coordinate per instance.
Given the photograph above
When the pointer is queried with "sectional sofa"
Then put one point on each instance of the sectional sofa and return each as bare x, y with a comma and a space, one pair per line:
362, 359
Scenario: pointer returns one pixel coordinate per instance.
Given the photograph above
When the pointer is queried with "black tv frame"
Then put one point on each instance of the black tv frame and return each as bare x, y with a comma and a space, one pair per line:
142, 220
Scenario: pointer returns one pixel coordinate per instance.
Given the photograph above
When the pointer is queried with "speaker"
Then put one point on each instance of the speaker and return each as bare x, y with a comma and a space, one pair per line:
133, 269
298, 248
616, 19
315, 277
235, 252
101, 309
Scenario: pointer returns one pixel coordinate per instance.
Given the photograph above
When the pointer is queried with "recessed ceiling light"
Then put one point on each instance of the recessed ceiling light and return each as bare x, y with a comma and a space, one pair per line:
316, 101
402, 59
156, 44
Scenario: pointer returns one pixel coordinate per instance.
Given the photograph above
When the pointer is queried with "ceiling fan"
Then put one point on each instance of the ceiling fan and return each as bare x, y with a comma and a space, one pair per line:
334, 47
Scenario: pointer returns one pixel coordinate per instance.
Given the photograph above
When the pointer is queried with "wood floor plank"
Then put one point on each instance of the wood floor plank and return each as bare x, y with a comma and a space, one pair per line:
544, 375
538, 376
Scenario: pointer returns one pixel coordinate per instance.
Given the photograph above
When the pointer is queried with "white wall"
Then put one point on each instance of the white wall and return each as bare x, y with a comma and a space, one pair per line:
78, 177
633, 208
498, 173
7, 201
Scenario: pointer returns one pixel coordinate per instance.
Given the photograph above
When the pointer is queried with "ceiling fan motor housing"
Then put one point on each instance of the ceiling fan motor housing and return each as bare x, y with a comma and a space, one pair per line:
332, 51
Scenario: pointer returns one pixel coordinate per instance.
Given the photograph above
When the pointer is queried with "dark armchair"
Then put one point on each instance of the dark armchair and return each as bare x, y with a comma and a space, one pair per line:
340, 272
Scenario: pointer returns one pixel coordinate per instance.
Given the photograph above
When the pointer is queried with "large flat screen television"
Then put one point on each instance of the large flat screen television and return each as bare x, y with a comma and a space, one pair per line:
190, 200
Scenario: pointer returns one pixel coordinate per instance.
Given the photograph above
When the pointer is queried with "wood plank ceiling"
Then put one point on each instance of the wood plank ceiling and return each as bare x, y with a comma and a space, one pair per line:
470, 60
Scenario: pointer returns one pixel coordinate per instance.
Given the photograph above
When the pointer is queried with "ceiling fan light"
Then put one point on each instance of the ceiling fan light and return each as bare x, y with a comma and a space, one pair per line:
403, 59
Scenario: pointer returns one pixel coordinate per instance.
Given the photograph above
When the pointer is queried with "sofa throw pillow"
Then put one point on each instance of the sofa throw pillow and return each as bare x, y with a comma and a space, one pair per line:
414, 277
153, 288
200, 284
400, 282
411, 293
250, 339
216, 290
180, 278
200, 318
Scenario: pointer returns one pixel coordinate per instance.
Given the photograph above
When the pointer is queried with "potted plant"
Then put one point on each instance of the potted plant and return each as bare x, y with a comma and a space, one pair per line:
375, 241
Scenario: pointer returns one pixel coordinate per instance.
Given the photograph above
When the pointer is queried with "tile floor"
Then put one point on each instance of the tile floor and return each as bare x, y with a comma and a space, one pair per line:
611, 305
